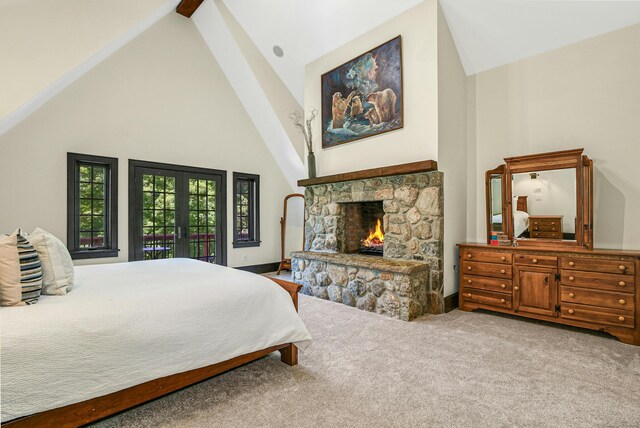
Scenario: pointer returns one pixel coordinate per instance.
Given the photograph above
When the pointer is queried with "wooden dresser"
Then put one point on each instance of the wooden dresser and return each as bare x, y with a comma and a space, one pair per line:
546, 226
595, 289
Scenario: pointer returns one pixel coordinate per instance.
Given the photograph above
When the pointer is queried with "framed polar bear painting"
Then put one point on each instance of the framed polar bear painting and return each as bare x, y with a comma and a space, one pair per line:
363, 97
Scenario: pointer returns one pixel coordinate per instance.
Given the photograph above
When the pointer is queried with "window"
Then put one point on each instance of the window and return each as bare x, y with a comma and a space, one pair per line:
92, 206
246, 210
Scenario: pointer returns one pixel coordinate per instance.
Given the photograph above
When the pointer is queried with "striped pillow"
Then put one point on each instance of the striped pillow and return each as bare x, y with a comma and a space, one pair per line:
30, 270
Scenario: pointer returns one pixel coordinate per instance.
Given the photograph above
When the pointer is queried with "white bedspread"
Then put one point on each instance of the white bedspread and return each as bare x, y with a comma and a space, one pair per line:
127, 323
520, 223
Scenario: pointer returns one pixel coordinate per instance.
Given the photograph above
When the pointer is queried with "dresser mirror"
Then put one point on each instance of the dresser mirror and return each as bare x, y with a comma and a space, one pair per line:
496, 208
542, 200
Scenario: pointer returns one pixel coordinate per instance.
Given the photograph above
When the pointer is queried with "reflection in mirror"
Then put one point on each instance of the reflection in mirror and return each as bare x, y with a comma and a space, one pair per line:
544, 204
497, 222
294, 240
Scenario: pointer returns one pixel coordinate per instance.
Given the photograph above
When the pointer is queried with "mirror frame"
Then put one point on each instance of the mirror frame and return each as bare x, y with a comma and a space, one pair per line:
565, 159
489, 195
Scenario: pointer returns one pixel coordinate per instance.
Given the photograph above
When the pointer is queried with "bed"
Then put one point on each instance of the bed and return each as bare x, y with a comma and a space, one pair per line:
130, 332
520, 218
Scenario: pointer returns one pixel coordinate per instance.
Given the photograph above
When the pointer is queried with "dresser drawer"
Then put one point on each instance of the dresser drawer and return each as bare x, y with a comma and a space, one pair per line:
599, 265
535, 260
487, 298
486, 269
484, 283
546, 228
486, 256
545, 222
597, 315
599, 281
546, 235
607, 299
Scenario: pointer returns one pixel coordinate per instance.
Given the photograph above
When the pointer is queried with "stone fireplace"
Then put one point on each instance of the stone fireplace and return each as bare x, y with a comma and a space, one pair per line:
399, 272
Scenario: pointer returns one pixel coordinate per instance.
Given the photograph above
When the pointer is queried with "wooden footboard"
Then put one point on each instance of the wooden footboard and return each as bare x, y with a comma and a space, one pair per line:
82, 413
291, 287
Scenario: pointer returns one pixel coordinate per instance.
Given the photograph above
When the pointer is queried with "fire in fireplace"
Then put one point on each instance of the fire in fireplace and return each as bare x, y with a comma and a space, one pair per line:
374, 243
363, 227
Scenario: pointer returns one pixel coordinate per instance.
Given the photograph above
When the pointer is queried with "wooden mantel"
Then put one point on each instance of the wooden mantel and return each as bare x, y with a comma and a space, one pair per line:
188, 7
385, 171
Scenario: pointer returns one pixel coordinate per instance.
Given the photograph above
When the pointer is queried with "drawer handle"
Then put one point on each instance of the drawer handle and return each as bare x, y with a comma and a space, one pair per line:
535, 260
620, 318
503, 271
553, 229
572, 295
622, 301
622, 283
466, 294
571, 278
515, 288
468, 267
622, 267
502, 300
469, 281
503, 258
535, 222
572, 264
469, 255
552, 223
571, 311
503, 286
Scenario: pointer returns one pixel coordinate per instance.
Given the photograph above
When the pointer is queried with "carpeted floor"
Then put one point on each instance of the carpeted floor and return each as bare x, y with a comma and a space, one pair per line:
457, 369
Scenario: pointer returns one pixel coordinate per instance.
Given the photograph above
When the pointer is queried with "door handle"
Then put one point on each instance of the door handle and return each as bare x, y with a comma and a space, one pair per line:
179, 233
546, 279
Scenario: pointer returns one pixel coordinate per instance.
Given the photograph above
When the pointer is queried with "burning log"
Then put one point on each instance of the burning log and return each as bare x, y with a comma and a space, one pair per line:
374, 243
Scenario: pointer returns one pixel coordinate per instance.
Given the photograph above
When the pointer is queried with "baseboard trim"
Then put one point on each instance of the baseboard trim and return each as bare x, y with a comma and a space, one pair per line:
263, 268
451, 302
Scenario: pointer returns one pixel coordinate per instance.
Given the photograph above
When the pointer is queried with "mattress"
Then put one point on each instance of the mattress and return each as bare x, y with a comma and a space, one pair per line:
127, 323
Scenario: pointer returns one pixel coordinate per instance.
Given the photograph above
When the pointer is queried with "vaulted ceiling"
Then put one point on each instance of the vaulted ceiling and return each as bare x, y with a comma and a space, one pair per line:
488, 33
47, 44
308, 29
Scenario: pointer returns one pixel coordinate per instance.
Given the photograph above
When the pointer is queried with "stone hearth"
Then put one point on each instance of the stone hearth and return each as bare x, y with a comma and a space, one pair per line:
395, 288
407, 281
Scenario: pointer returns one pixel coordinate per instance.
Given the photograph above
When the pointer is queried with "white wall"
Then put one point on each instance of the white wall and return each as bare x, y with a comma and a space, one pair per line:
583, 95
552, 193
452, 153
435, 102
161, 98
418, 140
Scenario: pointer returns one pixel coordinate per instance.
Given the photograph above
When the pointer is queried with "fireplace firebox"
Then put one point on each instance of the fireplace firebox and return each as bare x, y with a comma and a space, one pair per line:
364, 233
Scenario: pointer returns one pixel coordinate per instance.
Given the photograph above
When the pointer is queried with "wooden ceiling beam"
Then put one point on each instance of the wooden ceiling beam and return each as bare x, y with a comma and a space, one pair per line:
188, 7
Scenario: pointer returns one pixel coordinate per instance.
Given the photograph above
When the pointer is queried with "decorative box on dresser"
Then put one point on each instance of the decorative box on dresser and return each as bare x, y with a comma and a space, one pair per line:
594, 289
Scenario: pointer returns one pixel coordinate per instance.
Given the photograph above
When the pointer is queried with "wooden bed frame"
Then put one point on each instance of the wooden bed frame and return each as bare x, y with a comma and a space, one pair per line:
84, 412
521, 205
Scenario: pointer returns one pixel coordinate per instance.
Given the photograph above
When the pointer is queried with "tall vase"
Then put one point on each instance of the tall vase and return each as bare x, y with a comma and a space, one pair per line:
311, 165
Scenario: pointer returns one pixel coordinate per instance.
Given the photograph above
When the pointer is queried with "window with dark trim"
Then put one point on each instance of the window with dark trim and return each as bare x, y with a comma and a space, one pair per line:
246, 210
92, 206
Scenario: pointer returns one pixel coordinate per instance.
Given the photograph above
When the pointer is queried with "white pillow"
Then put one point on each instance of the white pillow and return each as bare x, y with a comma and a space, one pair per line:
57, 266
10, 287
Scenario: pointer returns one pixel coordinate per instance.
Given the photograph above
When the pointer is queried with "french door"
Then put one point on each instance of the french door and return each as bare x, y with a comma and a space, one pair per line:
176, 211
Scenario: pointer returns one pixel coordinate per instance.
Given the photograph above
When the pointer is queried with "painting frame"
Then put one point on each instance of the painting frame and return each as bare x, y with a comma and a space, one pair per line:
332, 86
